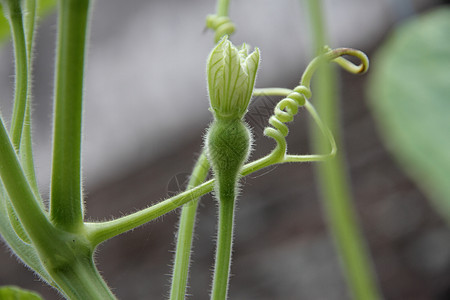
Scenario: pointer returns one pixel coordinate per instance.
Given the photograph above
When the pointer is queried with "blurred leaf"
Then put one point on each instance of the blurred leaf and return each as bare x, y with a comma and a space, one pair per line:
410, 98
4, 26
16, 293
44, 7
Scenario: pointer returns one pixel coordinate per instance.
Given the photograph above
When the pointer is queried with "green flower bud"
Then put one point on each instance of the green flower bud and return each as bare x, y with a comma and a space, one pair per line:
231, 78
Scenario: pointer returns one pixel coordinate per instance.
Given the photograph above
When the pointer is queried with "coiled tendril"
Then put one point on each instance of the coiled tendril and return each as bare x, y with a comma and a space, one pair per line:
284, 112
221, 25
287, 108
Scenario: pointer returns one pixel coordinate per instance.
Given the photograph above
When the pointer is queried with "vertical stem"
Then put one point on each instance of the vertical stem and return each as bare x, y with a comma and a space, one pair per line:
185, 233
224, 248
66, 206
26, 153
21, 17
26, 149
14, 14
334, 182
222, 7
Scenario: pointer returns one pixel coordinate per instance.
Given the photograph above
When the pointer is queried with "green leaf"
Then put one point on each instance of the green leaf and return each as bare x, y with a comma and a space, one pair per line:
4, 26
16, 293
410, 98
46, 6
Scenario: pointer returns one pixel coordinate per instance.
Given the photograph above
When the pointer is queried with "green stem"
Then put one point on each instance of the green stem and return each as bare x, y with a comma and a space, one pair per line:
271, 91
26, 155
22, 249
26, 147
28, 209
220, 22
66, 257
99, 232
21, 16
185, 233
224, 247
333, 180
81, 280
66, 207
14, 14
29, 22
222, 8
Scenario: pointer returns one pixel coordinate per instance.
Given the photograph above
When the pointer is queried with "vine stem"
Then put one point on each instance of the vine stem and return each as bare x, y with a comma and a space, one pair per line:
222, 7
333, 179
66, 208
82, 281
30, 213
21, 71
21, 18
220, 22
22, 194
224, 248
26, 146
185, 233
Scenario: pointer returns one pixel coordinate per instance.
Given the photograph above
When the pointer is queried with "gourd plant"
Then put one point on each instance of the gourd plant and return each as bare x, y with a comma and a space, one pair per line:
54, 240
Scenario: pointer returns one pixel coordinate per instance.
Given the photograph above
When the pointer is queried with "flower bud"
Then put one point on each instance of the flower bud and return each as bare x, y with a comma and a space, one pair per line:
231, 78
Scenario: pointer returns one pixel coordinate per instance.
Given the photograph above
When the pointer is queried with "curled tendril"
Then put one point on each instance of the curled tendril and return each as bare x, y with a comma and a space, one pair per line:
284, 112
336, 56
287, 108
221, 25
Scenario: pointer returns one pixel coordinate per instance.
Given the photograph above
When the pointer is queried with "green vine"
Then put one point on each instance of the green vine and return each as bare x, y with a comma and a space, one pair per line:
56, 242
332, 175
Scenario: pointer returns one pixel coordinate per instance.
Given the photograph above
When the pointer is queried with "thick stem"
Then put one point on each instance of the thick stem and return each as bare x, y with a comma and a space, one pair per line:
66, 257
333, 180
185, 233
224, 247
66, 208
81, 280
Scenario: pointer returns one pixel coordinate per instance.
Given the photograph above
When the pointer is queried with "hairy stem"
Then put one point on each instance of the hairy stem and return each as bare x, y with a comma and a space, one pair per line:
14, 13
66, 208
185, 233
21, 17
224, 247
99, 232
26, 146
81, 280
27, 207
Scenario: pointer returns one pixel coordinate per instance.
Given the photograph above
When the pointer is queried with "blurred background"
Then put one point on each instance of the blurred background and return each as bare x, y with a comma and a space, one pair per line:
146, 110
